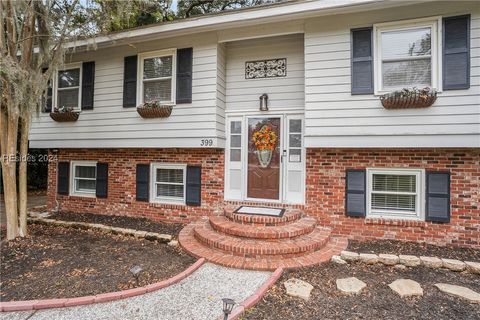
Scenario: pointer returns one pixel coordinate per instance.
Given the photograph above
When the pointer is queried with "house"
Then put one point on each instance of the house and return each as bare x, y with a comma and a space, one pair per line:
306, 77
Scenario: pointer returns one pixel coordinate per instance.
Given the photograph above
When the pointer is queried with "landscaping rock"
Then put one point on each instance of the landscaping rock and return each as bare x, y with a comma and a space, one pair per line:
140, 234
473, 267
350, 285
173, 243
458, 291
298, 288
406, 288
164, 237
409, 261
338, 260
454, 265
368, 258
388, 259
400, 267
431, 262
349, 256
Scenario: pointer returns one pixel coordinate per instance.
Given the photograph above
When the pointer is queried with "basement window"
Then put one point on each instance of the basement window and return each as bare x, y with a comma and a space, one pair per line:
84, 178
395, 193
168, 183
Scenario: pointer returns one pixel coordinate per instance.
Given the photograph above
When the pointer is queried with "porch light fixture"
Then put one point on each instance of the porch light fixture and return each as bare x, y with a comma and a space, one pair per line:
264, 102
227, 307
136, 273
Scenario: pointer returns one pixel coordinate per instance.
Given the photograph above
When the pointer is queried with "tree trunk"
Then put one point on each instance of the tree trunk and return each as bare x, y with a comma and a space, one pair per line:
9, 166
22, 176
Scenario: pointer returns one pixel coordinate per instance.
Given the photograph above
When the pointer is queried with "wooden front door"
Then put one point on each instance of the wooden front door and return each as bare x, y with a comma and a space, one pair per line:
263, 180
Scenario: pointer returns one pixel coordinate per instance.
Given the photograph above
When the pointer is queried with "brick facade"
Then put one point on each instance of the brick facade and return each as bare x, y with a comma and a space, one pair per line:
325, 193
121, 182
325, 189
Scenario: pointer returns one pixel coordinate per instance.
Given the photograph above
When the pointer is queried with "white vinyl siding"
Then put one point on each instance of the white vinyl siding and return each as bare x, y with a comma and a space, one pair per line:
336, 118
109, 125
394, 193
83, 177
407, 54
67, 87
285, 94
168, 183
157, 77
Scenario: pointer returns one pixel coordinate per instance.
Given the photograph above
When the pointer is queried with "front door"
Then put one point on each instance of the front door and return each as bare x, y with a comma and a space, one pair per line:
264, 164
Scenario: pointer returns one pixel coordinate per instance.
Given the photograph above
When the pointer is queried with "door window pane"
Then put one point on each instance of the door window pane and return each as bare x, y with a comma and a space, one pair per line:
295, 125
235, 155
295, 140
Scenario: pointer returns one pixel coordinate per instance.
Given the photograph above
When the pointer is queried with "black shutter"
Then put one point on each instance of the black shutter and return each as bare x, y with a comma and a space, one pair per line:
63, 175
456, 52
102, 180
143, 182
438, 197
47, 99
130, 82
361, 61
355, 192
194, 186
88, 84
184, 75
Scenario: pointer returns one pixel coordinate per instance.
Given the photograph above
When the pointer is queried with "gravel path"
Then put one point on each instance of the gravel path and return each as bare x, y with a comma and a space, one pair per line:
197, 297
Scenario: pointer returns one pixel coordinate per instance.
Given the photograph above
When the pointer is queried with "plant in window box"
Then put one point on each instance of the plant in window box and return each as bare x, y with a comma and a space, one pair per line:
409, 98
154, 109
64, 114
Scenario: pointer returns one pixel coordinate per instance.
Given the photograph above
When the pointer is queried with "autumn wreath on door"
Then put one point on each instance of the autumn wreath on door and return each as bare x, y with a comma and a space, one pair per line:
265, 141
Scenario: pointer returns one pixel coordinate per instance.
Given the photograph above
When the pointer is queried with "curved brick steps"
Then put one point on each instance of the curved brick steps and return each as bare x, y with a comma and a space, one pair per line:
289, 216
297, 228
187, 240
258, 247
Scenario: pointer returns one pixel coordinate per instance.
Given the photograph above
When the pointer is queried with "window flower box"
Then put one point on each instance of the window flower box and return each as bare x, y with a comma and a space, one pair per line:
409, 98
64, 114
154, 110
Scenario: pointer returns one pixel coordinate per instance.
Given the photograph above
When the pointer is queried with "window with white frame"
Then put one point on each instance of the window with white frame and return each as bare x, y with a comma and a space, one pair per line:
395, 193
407, 55
236, 141
168, 183
157, 77
68, 87
83, 178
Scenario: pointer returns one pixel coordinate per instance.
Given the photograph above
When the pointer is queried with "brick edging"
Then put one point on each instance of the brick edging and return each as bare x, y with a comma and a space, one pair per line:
103, 297
257, 296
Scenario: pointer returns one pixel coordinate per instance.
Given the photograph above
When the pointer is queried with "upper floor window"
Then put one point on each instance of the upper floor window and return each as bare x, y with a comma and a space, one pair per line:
157, 77
68, 87
407, 55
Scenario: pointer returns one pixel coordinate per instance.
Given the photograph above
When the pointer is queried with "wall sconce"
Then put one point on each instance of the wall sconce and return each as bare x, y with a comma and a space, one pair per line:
264, 102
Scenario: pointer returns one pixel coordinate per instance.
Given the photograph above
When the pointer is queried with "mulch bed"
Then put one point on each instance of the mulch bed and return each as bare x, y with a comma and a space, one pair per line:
416, 249
377, 301
137, 223
57, 262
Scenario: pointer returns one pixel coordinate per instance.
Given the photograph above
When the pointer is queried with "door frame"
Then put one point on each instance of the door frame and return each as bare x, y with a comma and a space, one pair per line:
282, 160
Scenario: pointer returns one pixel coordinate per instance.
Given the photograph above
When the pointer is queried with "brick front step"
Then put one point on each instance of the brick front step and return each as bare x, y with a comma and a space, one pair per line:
188, 241
289, 216
297, 228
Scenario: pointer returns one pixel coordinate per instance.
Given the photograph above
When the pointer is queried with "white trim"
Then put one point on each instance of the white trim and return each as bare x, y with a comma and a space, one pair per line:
153, 183
288, 166
392, 214
435, 23
157, 54
55, 88
73, 191
234, 194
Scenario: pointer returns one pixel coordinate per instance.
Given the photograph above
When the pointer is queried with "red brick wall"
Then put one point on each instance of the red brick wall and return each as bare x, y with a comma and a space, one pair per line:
325, 193
121, 182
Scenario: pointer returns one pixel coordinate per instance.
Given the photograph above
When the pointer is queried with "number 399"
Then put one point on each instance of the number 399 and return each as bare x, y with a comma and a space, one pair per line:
206, 142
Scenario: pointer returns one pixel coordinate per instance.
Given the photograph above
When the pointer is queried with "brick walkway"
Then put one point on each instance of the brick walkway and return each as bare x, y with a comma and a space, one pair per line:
261, 242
